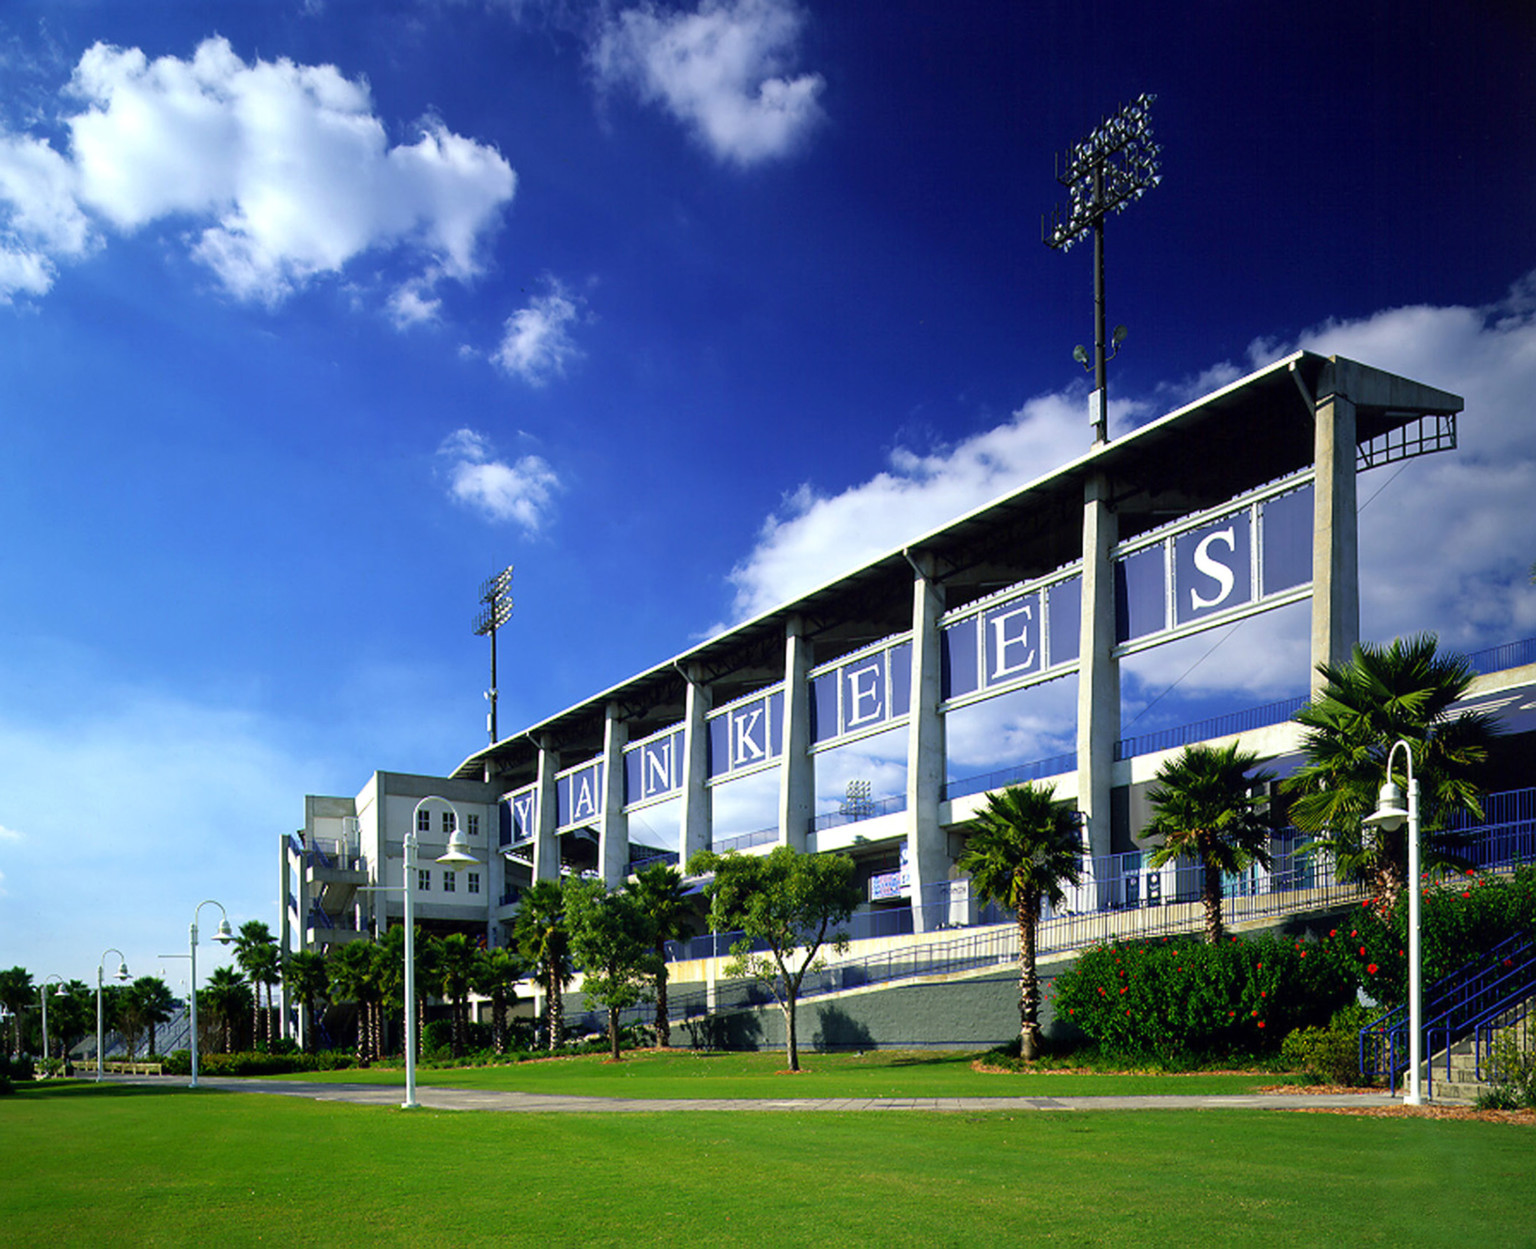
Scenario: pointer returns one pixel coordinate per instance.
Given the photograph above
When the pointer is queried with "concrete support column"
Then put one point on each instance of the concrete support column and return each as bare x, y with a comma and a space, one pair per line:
927, 848
695, 832
1098, 680
285, 928
546, 846
613, 827
797, 775
1335, 536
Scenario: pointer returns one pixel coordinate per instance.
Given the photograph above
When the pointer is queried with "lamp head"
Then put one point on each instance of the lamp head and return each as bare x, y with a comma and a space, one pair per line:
458, 854
1080, 354
122, 971
61, 991
1390, 814
224, 936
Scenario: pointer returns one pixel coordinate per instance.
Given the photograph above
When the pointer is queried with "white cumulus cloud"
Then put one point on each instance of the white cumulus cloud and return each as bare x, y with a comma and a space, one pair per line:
722, 71
521, 492
536, 343
282, 171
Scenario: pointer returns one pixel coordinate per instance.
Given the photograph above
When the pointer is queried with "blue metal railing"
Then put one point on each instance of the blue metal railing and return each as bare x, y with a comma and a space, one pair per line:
745, 841
1498, 658
1053, 766
1203, 730
860, 811
657, 855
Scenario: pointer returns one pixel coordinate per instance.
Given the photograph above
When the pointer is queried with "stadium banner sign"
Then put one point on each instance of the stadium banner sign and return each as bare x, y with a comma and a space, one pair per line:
863, 693
653, 768
579, 794
1244, 557
1019, 636
520, 815
747, 735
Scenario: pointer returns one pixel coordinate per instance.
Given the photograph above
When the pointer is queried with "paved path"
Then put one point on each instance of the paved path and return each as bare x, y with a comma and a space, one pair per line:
438, 1098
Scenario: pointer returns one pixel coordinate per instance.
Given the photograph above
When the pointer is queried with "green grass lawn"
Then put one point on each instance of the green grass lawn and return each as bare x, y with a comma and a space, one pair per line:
126, 1165
882, 1073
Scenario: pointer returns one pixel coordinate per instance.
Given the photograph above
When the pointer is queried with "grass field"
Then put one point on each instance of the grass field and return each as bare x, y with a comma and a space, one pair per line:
124, 1165
881, 1073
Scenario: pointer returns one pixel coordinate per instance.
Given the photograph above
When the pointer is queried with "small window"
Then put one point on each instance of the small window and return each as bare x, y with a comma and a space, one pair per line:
474, 878
449, 884
447, 821
472, 825
424, 880
423, 821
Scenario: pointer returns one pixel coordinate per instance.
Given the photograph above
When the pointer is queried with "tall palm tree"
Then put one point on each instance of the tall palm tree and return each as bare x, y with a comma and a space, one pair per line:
1402, 691
500, 971
17, 994
352, 972
542, 939
152, 1005
658, 891
456, 970
306, 978
257, 954
1022, 850
1204, 809
225, 998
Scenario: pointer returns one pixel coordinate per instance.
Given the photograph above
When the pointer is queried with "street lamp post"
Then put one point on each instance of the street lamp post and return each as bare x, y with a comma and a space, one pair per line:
42, 997
223, 936
122, 974
1389, 817
457, 856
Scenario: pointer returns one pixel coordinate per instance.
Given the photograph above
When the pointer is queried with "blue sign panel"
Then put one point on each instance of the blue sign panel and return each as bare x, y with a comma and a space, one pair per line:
1064, 602
1140, 581
862, 693
654, 768
1013, 639
521, 814
901, 678
579, 794
1024, 635
746, 735
1287, 538
961, 673
1212, 568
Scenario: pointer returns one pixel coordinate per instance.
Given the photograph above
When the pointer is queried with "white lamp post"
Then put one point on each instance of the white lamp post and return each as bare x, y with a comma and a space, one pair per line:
122, 974
1389, 817
42, 996
457, 856
223, 936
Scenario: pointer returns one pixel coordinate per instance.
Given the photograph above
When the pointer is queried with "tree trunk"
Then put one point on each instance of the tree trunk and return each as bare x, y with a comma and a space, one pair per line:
1029, 984
613, 1033
554, 1011
663, 1024
499, 1020
1210, 899
791, 1042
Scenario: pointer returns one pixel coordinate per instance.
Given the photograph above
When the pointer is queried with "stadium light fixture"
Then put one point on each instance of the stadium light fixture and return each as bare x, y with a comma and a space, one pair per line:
495, 611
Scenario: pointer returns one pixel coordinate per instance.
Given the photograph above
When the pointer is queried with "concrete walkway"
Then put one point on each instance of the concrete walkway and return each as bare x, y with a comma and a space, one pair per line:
437, 1098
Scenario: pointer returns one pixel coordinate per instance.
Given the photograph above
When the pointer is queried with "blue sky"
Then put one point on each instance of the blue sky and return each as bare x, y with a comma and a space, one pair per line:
314, 315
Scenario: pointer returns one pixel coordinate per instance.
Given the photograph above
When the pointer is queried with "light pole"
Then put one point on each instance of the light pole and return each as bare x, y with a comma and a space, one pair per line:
122, 974
223, 936
457, 856
1389, 817
42, 997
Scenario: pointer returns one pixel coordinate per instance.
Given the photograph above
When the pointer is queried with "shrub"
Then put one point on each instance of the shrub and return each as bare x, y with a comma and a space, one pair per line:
16, 1068
1180, 1000
1331, 1054
257, 1063
1514, 1083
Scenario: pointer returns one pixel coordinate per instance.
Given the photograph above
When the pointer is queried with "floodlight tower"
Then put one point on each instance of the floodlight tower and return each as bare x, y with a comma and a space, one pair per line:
1104, 173
495, 611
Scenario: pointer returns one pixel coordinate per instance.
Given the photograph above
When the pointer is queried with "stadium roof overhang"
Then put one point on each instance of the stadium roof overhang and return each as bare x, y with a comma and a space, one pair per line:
1256, 430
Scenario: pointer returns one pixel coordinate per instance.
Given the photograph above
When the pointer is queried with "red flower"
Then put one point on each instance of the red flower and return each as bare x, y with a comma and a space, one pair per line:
1362, 951
1303, 954
1333, 932
1263, 992
1122, 990
1261, 1023
1354, 932
1371, 969
1254, 1013
1261, 966
1127, 1012
1466, 894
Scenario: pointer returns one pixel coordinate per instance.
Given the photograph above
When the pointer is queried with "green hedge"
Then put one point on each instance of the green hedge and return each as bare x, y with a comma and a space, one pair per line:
257, 1064
1178, 999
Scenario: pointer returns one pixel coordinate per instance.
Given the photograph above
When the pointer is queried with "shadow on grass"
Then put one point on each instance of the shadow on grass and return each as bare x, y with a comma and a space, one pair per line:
42, 1090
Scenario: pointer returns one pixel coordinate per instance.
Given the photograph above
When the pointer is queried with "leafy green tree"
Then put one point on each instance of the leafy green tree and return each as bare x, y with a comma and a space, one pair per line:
658, 892
456, 969
354, 978
145, 1005
1405, 691
1022, 850
307, 979
17, 994
791, 902
542, 938
71, 1018
259, 958
500, 971
611, 945
225, 998
1204, 809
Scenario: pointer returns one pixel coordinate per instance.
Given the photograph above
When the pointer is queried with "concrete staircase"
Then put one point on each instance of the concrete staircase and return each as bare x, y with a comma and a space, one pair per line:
1461, 1085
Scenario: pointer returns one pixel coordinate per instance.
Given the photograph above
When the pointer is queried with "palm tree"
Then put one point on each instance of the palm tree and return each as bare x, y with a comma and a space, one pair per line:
542, 939
353, 977
658, 891
1204, 809
1403, 691
17, 994
455, 970
257, 954
225, 998
152, 1004
500, 971
306, 978
1022, 851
